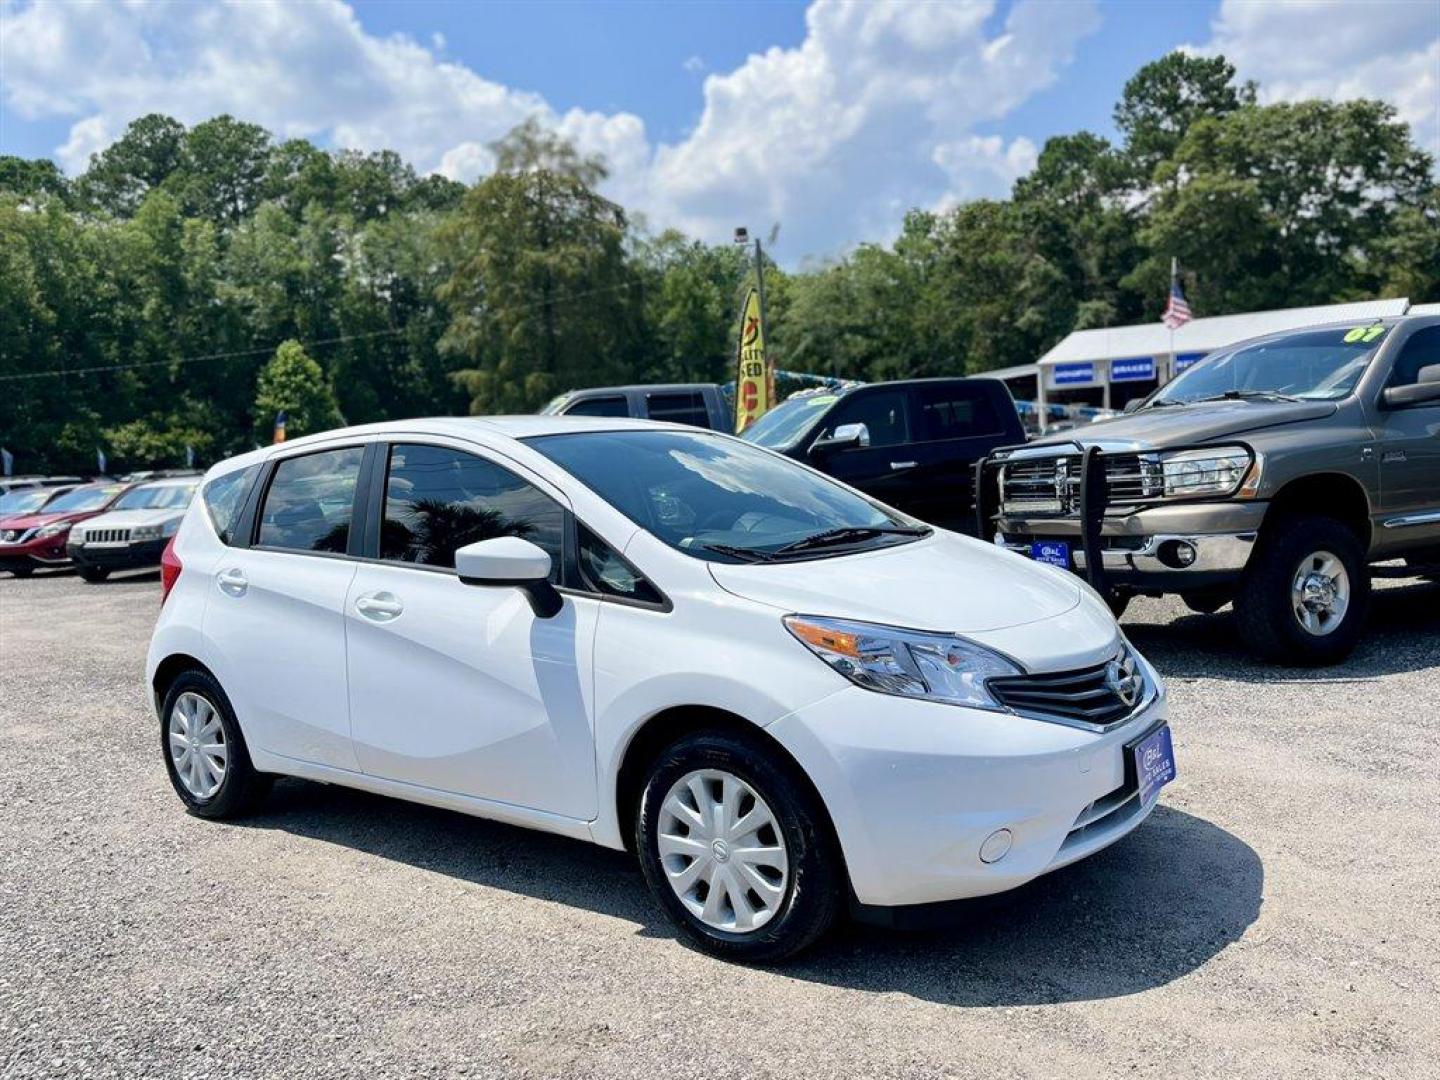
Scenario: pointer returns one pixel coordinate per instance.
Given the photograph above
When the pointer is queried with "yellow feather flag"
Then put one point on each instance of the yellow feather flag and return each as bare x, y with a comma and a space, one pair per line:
754, 384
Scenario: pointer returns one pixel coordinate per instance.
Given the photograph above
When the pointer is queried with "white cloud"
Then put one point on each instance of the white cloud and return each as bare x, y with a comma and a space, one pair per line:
876, 111
694, 65
1297, 49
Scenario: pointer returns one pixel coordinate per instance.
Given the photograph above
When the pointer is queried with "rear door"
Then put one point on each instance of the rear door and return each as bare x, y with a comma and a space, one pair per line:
275, 609
956, 423
462, 688
883, 468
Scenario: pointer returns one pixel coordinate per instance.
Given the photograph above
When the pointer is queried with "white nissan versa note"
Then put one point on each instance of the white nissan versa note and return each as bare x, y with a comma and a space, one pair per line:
787, 698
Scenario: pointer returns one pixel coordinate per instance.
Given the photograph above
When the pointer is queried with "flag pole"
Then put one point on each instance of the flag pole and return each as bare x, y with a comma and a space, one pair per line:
1174, 274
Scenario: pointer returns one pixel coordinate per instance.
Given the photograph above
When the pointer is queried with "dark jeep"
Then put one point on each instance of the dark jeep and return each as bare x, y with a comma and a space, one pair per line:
1273, 475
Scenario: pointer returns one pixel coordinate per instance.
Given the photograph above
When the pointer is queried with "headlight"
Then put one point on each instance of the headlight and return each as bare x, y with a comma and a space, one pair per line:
146, 532
1210, 471
56, 529
907, 663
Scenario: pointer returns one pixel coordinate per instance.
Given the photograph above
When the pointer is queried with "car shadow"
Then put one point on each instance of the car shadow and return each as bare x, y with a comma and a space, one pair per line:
1403, 634
1138, 915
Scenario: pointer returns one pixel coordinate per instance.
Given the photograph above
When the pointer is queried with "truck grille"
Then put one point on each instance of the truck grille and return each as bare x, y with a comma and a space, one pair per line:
107, 536
1051, 485
1101, 695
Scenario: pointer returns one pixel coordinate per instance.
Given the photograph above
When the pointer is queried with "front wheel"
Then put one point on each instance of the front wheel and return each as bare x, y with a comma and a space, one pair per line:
737, 848
1305, 593
22, 570
94, 573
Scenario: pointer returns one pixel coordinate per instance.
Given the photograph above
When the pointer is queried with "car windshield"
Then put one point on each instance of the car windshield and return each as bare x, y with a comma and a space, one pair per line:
786, 423
85, 498
716, 498
25, 500
1312, 365
156, 497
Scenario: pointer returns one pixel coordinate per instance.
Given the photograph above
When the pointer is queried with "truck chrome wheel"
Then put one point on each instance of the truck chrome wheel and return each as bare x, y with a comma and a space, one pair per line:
1320, 593
197, 745
722, 851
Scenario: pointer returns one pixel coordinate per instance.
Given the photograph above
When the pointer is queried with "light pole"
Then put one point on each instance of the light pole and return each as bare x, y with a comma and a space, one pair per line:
742, 237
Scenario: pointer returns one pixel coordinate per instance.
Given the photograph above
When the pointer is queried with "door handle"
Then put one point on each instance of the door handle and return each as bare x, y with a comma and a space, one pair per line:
380, 606
903, 464
233, 582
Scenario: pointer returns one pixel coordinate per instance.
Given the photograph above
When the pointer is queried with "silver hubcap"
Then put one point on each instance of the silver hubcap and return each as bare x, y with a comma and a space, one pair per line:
1320, 593
197, 745
722, 851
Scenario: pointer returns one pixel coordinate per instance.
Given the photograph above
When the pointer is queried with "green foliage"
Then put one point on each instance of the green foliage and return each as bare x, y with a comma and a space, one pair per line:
159, 282
294, 384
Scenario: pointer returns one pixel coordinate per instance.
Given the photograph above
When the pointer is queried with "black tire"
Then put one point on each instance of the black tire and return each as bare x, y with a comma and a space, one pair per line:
94, 573
242, 788
1118, 600
22, 570
815, 887
1205, 603
1264, 612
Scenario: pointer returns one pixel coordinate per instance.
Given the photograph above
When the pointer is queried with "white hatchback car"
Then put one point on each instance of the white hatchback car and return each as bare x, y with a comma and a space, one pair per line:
785, 697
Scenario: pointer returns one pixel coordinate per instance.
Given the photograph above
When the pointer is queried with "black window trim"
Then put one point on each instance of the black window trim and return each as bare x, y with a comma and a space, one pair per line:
357, 506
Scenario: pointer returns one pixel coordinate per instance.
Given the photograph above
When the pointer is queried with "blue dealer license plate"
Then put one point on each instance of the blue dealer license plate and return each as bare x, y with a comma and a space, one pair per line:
1054, 552
1154, 758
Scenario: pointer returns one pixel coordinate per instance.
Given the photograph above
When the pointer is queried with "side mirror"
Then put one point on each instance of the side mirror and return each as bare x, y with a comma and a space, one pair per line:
846, 437
1133, 404
511, 562
1426, 387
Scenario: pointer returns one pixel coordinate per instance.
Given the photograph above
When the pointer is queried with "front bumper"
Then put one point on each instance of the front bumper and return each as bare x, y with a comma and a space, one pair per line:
33, 553
915, 789
128, 556
1143, 548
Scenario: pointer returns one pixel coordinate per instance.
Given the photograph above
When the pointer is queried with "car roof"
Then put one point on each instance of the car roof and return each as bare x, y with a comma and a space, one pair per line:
169, 481
648, 387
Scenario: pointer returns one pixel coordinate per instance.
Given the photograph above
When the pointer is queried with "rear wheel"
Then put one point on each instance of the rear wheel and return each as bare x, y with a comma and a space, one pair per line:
1305, 593
737, 848
205, 754
94, 573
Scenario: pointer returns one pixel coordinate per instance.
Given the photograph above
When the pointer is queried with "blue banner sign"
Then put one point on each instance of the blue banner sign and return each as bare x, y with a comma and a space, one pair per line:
1071, 374
1139, 369
1187, 360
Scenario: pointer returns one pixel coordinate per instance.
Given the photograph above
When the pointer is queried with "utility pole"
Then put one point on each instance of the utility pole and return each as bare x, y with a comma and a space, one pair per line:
742, 237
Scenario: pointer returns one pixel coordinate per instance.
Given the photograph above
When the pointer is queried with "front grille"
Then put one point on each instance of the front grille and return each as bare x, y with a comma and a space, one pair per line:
1101, 695
1051, 485
107, 536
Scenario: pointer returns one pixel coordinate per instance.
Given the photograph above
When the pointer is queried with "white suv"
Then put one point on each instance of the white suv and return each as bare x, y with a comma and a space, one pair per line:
785, 697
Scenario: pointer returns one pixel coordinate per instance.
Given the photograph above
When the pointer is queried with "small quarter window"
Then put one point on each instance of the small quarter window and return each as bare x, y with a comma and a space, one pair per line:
606, 571
224, 497
311, 501
438, 500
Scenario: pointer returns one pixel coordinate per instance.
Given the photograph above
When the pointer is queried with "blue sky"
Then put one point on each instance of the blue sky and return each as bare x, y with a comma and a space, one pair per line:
828, 118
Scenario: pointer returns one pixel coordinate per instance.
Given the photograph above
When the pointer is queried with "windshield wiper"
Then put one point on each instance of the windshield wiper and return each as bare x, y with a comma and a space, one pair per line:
741, 553
850, 534
1249, 395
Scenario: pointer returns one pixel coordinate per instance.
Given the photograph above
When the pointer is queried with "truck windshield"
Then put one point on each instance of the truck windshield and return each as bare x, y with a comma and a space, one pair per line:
717, 499
1311, 365
786, 423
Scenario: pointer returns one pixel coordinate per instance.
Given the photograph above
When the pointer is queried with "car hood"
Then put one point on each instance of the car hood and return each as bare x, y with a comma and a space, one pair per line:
944, 582
1182, 425
37, 521
129, 519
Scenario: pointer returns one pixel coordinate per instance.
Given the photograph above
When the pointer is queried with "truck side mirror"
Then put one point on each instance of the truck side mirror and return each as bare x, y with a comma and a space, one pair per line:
845, 437
1133, 404
1426, 387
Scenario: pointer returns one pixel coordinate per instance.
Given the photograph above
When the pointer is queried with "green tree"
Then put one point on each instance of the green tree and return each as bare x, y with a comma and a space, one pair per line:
1164, 98
119, 177
294, 384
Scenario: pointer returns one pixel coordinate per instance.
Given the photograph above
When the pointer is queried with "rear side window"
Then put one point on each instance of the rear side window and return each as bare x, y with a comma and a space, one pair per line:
884, 413
438, 500
224, 497
311, 501
956, 412
679, 408
599, 406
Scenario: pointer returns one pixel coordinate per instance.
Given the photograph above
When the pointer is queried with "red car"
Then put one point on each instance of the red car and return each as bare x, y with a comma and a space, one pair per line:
38, 539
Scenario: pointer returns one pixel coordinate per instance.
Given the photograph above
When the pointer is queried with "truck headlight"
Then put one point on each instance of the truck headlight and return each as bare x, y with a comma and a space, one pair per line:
146, 532
1210, 471
906, 663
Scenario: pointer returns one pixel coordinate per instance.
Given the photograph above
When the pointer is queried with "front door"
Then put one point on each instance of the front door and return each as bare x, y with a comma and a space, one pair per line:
462, 688
1410, 452
275, 616
884, 467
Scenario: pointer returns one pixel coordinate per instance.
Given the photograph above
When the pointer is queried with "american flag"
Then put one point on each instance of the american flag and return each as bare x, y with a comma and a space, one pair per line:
1177, 311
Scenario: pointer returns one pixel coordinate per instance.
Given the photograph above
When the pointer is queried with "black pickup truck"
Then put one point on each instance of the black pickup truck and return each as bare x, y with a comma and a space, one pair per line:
912, 444
1278, 475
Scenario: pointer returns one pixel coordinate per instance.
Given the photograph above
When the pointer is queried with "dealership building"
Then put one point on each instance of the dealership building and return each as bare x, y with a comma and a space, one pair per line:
1104, 368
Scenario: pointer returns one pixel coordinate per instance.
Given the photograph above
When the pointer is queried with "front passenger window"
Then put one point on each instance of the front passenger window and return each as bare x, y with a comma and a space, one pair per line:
311, 500
438, 500
884, 413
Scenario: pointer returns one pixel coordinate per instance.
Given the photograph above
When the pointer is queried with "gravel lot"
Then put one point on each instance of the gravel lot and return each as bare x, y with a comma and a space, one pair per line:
1279, 915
